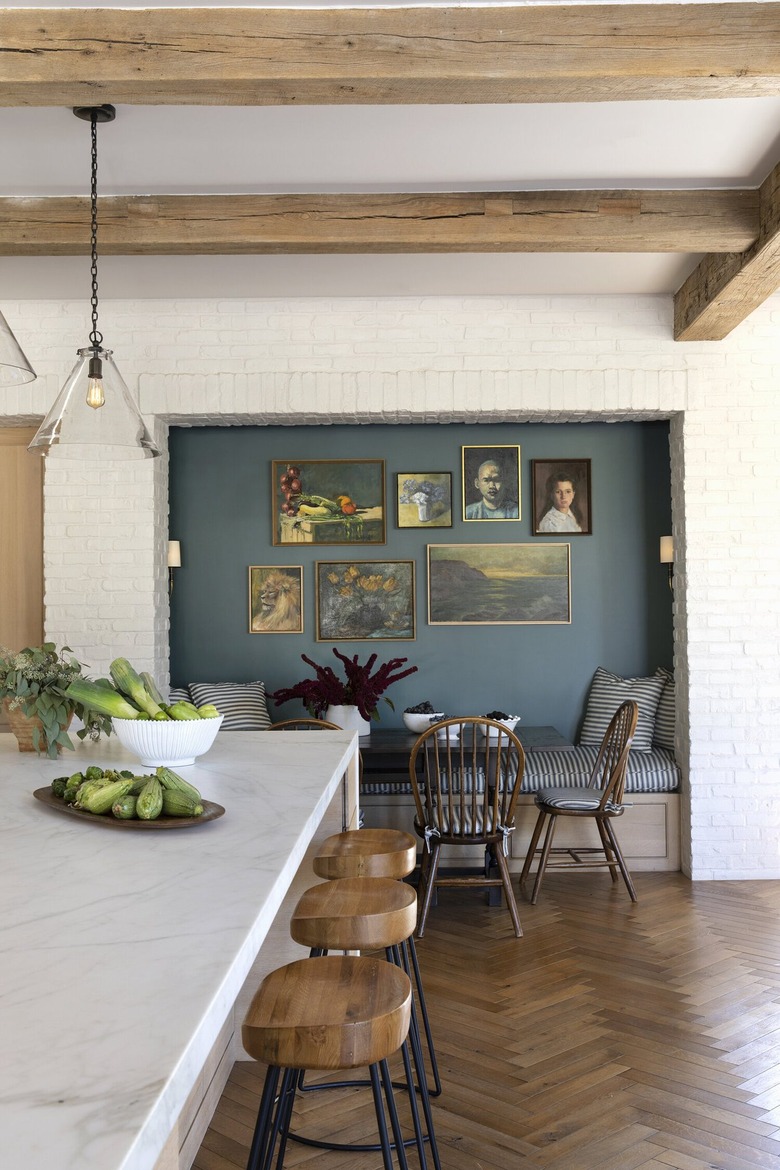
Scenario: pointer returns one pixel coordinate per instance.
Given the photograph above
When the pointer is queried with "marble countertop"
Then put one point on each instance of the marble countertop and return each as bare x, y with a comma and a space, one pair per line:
123, 952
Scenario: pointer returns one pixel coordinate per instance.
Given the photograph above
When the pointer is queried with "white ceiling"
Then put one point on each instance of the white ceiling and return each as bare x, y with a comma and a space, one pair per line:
269, 149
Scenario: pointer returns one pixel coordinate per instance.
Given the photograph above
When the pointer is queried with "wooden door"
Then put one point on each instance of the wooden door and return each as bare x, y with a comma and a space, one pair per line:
21, 538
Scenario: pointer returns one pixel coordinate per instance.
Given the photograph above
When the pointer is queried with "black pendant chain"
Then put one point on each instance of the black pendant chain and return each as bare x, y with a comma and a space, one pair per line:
95, 337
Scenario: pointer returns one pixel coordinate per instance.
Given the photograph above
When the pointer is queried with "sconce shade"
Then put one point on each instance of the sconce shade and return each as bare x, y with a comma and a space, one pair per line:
667, 550
14, 366
174, 554
74, 430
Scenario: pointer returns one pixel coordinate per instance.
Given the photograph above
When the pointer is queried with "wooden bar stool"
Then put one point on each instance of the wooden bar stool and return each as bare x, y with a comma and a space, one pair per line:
387, 853
362, 914
380, 853
329, 1013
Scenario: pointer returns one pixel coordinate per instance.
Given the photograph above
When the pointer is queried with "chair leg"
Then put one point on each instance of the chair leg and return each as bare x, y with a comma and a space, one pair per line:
608, 852
620, 860
259, 1150
430, 886
529, 857
545, 856
412, 966
509, 894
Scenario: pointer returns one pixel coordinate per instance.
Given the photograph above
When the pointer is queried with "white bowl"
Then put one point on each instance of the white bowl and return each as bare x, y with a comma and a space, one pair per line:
449, 734
420, 723
508, 723
170, 743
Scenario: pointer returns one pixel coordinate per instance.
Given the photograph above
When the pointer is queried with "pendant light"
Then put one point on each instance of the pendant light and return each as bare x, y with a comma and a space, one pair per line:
14, 366
94, 416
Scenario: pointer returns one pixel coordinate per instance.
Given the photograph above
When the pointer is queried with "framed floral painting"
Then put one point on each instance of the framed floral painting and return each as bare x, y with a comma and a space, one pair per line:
328, 501
372, 600
424, 499
276, 599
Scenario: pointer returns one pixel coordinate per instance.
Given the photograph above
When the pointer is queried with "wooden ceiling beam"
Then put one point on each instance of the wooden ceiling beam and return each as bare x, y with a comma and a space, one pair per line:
529, 53
530, 221
723, 290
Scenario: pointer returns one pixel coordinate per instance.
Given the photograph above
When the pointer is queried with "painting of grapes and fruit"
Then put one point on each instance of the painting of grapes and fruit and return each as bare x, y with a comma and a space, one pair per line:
328, 501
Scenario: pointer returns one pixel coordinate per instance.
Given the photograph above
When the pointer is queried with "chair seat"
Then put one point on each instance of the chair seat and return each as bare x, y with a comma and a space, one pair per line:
573, 800
389, 853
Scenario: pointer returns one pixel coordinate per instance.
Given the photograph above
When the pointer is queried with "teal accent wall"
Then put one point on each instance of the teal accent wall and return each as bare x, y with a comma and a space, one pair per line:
221, 511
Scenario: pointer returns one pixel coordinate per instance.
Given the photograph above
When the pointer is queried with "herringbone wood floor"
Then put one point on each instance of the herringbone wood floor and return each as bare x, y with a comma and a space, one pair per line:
609, 1037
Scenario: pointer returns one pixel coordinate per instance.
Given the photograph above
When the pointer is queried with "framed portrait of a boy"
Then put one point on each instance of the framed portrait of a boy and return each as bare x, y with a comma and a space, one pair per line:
561, 497
491, 483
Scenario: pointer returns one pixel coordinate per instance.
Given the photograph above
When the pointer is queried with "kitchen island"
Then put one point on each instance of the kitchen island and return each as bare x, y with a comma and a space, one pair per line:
125, 950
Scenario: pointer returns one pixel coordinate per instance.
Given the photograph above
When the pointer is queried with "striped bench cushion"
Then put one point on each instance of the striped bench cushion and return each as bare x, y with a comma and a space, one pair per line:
663, 736
653, 771
242, 704
179, 695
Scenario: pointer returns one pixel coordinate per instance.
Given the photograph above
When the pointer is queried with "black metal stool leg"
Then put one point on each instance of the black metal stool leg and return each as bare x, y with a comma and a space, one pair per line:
384, 1137
409, 951
259, 1148
398, 1136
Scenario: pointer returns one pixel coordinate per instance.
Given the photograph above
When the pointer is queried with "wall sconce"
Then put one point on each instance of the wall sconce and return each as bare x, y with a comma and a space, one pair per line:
666, 556
174, 561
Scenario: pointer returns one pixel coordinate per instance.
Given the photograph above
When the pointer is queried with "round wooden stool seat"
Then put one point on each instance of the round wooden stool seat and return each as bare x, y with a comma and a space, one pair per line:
355, 914
333, 1012
375, 853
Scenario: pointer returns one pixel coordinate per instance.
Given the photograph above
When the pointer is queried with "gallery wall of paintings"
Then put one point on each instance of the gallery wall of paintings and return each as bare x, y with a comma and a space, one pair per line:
505, 561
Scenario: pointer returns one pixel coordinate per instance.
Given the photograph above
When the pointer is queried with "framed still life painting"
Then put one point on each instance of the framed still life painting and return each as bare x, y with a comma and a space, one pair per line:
328, 501
424, 499
365, 600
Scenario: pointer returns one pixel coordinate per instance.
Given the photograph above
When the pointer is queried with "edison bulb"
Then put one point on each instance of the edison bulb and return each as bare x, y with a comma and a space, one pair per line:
95, 395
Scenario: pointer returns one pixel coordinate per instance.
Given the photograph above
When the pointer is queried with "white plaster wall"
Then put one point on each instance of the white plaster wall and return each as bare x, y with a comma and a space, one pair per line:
453, 359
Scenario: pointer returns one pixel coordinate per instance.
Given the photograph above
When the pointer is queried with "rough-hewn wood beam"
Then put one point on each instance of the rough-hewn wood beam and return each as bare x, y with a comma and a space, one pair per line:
244, 56
723, 290
554, 221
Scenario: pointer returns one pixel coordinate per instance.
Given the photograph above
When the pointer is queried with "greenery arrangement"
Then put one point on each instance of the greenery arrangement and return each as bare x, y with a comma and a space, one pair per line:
361, 688
34, 681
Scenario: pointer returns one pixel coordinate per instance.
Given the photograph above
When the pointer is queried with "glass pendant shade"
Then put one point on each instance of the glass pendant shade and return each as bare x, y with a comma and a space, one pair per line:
14, 366
75, 430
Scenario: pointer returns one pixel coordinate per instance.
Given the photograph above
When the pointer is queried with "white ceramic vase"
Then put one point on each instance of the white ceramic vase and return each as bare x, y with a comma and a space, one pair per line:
349, 718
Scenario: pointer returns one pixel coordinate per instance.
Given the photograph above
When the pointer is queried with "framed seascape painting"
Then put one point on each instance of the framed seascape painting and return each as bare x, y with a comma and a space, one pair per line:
365, 600
328, 501
561, 497
424, 499
499, 584
491, 483
276, 599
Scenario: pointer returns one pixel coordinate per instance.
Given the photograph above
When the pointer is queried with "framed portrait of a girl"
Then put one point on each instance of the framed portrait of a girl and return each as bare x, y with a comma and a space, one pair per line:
561, 497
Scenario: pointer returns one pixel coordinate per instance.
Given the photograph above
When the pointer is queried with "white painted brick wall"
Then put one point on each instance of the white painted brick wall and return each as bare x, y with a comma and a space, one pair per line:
453, 359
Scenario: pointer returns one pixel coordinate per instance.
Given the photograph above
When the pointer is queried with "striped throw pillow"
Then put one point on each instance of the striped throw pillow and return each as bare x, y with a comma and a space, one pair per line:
663, 735
179, 695
607, 692
242, 704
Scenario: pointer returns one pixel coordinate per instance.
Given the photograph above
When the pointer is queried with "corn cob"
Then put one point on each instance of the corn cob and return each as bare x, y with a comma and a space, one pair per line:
104, 700
126, 680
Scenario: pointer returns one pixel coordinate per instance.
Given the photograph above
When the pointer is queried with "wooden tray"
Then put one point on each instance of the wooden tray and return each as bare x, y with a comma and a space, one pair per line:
210, 813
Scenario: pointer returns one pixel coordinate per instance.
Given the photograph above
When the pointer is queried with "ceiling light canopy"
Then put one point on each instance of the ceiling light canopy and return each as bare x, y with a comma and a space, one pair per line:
94, 415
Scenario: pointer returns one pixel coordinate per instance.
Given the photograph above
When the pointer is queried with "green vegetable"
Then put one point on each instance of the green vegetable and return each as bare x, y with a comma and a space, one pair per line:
104, 700
176, 804
93, 772
208, 711
149, 804
58, 785
75, 780
124, 808
172, 782
101, 799
151, 687
126, 680
183, 710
